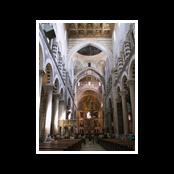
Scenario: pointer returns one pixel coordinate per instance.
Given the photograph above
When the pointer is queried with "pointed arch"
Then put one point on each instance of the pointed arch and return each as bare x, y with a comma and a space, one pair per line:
80, 74
86, 43
49, 74
131, 70
79, 46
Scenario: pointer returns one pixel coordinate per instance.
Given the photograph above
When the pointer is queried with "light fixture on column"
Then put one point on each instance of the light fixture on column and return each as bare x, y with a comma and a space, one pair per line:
129, 117
69, 114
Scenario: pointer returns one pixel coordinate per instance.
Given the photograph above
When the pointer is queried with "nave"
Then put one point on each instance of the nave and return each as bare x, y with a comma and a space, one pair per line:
92, 147
86, 86
91, 143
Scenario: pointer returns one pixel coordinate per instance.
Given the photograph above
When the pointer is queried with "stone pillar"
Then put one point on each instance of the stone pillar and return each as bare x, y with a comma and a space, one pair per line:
61, 114
41, 74
42, 114
125, 113
115, 115
56, 115
54, 122
131, 84
105, 120
109, 122
48, 110
117, 100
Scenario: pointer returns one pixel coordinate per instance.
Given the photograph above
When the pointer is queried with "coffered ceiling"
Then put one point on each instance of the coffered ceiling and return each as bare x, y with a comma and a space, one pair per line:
82, 30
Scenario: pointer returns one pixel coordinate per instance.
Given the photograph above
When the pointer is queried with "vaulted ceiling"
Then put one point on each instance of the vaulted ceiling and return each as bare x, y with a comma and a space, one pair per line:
82, 30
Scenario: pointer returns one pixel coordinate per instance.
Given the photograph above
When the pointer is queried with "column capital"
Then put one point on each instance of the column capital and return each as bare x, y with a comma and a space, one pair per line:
114, 69
41, 72
55, 42
49, 87
118, 100
61, 99
131, 82
123, 92
56, 94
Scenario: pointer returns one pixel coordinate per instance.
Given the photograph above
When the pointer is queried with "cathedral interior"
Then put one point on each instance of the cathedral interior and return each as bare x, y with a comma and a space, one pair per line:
86, 86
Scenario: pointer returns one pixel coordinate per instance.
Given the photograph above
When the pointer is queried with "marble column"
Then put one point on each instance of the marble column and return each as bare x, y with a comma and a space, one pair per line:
41, 74
131, 84
117, 100
48, 110
55, 109
115, 114
125, 113
61, 114
109, 122
42, 115
105, 120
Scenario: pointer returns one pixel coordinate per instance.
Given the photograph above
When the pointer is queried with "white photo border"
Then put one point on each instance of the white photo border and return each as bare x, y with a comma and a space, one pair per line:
37, 87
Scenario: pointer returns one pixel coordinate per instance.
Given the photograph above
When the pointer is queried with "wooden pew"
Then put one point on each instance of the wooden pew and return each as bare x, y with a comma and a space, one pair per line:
61, 145
117, 144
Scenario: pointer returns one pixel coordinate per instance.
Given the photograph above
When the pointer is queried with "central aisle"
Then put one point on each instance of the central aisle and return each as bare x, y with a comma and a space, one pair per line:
89, 146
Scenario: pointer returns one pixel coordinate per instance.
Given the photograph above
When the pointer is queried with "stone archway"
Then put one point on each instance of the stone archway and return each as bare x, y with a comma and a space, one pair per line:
131, 70
131, 85
91, 43
106, 52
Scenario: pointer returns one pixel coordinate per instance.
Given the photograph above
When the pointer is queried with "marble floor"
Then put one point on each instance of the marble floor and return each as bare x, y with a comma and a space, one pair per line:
89, 146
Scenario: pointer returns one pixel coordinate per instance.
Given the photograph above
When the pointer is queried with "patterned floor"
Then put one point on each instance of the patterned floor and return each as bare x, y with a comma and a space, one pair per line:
89, 146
